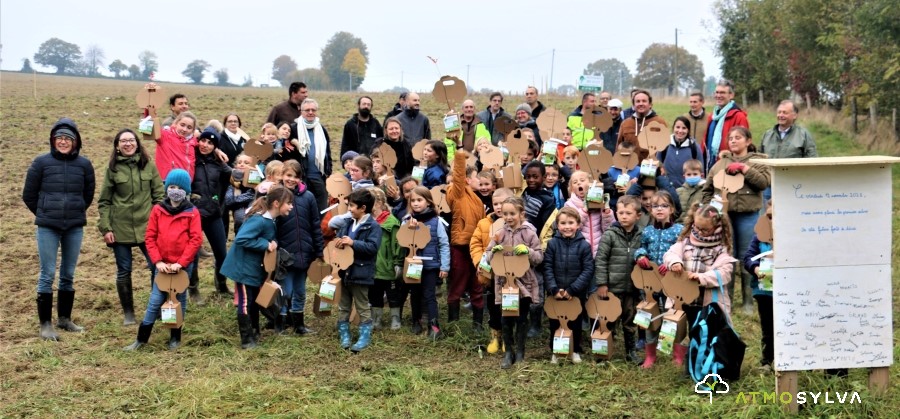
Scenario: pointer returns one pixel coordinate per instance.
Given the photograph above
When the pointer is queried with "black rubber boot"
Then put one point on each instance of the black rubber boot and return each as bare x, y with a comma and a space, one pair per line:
434, 330
222, 286
143, 337
65, 300
452, 312
631, 354
416, 327
521, 335
126, 299
300, 325
280, 320
246, 329
508, 342
45, 315
194, 287
174, 338
478, 320
535, 315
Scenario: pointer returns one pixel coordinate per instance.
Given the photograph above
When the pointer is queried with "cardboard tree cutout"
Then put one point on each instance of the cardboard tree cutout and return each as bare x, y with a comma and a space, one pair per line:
270, 290
339, 259
625, 160
681, 290
150, 98
418, 152
552, 123
727, 184
484, 268
450, 90
596, 122
172, 284
491, 157
654, 137
764, 233
389, 161
505, 125
439, 194
512, 172
511, 267
413, 238
258, 151
649, 281
595, 160
339, 188
564, 311
603, 312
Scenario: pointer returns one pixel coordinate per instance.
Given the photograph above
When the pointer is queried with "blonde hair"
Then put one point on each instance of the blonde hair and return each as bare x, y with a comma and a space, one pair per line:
268, 126
274, 168
503, 193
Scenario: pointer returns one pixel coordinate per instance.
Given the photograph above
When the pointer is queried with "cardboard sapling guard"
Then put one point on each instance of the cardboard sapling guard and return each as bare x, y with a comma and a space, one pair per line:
388, 158
564, 311
318, 270
450, 90
339, 188
270, 290
679, 289
596, 120
727, 184
491, 157
603, 311
505, 125
439, 194
648, 309
418, 150
173, 284
595, 160
512, 172
150, 98
551, 123
413, 238
625, 160
339, 259
510, 267
654, 137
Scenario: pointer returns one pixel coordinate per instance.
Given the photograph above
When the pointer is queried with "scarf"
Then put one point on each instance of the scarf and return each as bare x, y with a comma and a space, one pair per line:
423, 216
718, 116
318, 137
381, 218
234, 137
706, 241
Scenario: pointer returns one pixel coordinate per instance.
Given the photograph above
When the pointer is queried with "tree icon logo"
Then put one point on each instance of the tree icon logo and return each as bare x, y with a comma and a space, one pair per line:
712, 383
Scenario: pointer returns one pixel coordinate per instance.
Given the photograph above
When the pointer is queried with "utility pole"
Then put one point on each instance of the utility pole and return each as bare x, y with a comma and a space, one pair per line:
467, 75
552, 61
401, 79
675, 68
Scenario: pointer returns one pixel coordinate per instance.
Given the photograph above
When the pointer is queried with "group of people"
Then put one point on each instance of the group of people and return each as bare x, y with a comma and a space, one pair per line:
203, 183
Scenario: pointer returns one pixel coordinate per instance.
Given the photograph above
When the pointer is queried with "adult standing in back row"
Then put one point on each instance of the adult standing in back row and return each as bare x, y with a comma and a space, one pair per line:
415, 124
289, 110
313, 152
361, 130
490, 114
725, 116
59, 188
786, 140
642, 116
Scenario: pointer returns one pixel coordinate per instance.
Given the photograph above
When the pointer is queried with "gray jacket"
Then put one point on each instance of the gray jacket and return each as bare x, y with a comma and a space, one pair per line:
796, 144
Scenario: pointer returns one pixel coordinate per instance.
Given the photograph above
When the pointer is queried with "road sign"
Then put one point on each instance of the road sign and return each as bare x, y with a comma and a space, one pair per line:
590, 83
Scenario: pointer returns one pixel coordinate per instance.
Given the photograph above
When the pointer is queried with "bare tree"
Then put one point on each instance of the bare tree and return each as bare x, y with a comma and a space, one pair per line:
94, 57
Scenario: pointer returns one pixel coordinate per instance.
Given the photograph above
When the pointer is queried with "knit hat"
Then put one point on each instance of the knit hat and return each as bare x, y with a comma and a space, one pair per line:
65, 132
211, 134
523, 107
614, 103
350, 155
180, 178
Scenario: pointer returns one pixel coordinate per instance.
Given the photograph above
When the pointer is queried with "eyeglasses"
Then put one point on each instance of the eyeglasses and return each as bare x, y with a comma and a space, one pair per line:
127, 141
61, 138
231, 122
660, 206
310, 110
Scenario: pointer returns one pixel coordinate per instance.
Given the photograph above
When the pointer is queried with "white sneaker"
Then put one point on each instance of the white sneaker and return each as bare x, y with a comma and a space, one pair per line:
576, 359
553, 359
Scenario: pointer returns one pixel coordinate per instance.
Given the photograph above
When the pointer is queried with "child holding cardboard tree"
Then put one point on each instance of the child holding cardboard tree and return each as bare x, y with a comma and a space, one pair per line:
613, 266
363, 235
244, 262
656, 239
173, 238
479, 247
759, 264
466, 209
388, 264
237, 196
568, 271
540, 207
594, 222
522, 237
435, 159
435, 260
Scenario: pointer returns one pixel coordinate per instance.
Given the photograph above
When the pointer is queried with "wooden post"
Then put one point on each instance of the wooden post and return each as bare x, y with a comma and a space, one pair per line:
762, 100
744, 100
786, 382
808, 103
894, 124
854, 112
878, 379
873, 117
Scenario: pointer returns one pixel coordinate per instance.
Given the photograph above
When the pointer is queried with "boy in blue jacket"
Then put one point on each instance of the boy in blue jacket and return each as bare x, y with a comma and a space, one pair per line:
363, 235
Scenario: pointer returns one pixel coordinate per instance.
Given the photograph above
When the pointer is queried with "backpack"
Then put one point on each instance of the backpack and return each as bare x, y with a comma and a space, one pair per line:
662, 154
715, 348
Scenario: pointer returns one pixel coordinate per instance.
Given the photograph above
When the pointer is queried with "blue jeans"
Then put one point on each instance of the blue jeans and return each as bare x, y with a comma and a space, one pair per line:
124, 259
294, 288
767, 196
49, 241
216, 235
158, 297
742, 224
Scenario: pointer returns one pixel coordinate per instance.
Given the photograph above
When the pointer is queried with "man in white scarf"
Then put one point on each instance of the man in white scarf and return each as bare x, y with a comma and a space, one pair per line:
314, 150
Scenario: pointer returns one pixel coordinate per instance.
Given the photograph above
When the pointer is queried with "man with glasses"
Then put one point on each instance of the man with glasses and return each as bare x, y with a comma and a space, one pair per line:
725, 116
603, 99
289, 110
313, 150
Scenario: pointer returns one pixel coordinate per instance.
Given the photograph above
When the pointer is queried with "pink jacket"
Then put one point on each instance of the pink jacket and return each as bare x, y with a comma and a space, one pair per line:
593, 223
174, 152
708, 261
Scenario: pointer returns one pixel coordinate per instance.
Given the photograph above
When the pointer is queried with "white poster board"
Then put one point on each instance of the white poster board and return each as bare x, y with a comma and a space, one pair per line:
832, 272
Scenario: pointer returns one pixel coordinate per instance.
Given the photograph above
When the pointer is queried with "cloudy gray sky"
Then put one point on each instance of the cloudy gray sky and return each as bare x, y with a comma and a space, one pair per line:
506, 45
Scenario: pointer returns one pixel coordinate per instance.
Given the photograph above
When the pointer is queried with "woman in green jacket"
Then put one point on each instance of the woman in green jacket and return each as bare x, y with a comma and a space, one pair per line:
130, 189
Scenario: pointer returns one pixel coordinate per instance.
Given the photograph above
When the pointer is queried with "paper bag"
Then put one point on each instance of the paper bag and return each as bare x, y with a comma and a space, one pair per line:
172, 317
509, 301
646, 311
412, 271
562, 342
268, 292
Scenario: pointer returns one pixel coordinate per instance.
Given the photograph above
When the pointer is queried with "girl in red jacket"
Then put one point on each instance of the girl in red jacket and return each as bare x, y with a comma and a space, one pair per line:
173, 237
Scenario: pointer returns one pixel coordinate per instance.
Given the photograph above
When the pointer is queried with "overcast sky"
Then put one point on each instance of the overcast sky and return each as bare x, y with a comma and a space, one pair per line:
507, 45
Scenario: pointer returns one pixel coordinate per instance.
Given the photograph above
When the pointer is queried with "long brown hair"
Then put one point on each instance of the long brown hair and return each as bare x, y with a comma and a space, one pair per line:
264, 203
143, 157
425, 193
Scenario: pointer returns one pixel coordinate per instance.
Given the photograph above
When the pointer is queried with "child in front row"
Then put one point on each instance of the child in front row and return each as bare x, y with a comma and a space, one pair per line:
656, 239
481, 238
388, 264
568, 272
173, 238
435, 260
363, 235
762, 292
594, 222
613, 266
521, 235
244, 262
691, 191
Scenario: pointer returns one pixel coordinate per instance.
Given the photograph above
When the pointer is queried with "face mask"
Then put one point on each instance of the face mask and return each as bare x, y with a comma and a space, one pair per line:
365, 112
692, 180
176, 195
412, 113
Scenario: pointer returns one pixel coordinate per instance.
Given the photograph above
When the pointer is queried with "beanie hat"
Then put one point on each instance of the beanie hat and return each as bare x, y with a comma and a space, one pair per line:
64, 132
210, 134
180, 178
523, 107
350, 155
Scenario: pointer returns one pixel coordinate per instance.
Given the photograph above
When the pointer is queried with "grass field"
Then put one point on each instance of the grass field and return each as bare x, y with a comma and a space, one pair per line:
87, 375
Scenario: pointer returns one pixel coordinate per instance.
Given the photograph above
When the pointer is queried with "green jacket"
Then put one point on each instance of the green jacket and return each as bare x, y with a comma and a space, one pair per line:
127, 196
797, 143
687, 196
615, 259
756, 180
389, 254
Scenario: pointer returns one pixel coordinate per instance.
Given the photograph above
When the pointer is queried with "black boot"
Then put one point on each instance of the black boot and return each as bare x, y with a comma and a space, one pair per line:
174, 338
64, 311
434, 330
222, 285
631, 354
143, 337
246, 329
521, 335
416, 327
508, 342
477, 320
45, 315
452, 312
535, 314
280, 320
300, 326
126, 298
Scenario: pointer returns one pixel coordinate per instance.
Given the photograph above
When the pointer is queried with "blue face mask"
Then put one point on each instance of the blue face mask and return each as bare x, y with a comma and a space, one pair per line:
692, 180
